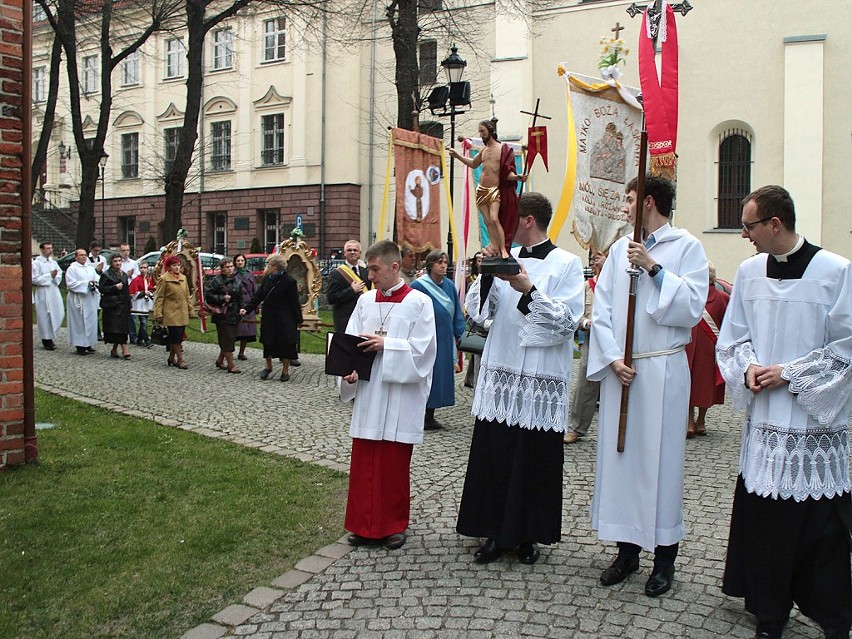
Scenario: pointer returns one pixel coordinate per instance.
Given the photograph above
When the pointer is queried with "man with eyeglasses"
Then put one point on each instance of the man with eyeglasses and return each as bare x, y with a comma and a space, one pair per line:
785, 351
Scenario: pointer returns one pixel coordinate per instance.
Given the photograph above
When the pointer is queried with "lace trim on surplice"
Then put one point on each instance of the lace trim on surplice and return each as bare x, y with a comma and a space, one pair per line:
793, 463
733, 362
549, 322
509, 396
822, 383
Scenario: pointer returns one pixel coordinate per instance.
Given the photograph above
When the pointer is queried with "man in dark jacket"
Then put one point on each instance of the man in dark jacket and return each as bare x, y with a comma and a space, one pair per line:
345, 285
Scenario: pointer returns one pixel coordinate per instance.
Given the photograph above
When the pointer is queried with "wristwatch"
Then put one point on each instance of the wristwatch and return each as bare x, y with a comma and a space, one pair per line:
655, 269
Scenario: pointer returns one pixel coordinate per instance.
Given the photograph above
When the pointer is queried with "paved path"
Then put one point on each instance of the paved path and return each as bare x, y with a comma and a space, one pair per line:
431, 588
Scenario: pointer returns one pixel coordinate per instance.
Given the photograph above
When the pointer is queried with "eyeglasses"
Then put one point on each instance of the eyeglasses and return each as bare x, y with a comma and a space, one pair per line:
747, 226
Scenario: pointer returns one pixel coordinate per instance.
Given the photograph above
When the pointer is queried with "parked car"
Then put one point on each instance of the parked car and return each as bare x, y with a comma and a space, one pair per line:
724, 285
66, 260
256, 263
209, 261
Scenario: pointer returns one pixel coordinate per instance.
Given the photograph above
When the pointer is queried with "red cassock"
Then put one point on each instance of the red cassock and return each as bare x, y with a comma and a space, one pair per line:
707, 388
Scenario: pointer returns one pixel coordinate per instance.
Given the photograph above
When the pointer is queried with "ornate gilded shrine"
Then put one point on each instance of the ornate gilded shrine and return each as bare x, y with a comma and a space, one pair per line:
302, 268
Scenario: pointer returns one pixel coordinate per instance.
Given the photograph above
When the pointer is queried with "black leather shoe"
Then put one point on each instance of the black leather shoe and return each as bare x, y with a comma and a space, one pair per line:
431, 424
488, 552
528, 553
48, 344
397, 540
618, 571
660, 580
835, 633
295, 362
358, 540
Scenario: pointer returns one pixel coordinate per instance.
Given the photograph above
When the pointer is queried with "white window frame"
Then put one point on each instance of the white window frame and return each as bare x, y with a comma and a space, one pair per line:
90, 73
175, 53
223, 49
130, 155
273, 154
130, 70
39, 84
275, 39
220, 151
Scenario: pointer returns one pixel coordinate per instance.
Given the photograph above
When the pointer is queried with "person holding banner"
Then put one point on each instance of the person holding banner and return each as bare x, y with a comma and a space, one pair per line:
496, 193
513, 485
346, 284
638, 498
707, 386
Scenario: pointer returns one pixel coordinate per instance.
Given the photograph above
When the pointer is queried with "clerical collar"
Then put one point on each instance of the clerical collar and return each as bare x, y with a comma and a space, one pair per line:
538, 251
784, 256
795, 263
393, 289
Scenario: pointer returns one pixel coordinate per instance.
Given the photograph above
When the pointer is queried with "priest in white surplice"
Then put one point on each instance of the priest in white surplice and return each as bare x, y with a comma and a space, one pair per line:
81, 280
46, 296
513, 485
387, 418
785, 351
638, 500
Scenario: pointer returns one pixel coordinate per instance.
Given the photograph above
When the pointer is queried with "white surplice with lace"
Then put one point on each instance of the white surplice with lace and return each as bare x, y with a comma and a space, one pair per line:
795, 441
526, 365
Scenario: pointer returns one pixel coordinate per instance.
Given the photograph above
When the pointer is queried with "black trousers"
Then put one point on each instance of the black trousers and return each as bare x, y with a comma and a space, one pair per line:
663, 555
781, 551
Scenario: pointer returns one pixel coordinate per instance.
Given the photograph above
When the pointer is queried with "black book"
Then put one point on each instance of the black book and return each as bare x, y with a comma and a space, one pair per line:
343, 355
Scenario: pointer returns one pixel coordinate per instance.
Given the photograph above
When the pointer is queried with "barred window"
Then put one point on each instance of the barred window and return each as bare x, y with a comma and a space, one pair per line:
272, 144
220, 158
734, 176
171, 138
130, 155
428, 62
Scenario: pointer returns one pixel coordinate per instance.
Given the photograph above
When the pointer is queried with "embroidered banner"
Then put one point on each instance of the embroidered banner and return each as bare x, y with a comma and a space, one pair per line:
606, 150
417, 158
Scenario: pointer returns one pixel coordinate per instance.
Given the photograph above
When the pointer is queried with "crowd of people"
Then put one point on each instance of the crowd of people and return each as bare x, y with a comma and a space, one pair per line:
782, 345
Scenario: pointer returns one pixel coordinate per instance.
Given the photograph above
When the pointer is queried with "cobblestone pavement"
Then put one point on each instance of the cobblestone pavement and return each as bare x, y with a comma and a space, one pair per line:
430, 588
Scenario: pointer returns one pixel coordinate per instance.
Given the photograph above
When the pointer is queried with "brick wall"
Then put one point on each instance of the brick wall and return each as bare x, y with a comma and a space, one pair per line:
342, 220
11, 296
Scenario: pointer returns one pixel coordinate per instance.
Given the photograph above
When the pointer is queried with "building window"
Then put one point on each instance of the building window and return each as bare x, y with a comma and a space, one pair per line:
130, 155
127, 229
223, 49
171, 138
218, 224
220, 158
274, 39
429, 6
39, 84
272, 144
734, 176
269, 222
130, 70
174, 58
428, 62
90, 74
39, 13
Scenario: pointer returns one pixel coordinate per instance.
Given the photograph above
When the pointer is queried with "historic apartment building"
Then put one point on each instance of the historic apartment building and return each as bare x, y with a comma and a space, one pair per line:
764, 94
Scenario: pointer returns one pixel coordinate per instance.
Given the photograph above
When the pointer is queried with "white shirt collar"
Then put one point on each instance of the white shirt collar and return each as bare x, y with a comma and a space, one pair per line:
531, 247
393, 289
783, 257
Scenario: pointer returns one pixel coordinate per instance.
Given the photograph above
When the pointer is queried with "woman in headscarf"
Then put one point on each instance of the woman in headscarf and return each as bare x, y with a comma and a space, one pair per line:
449, 326
280, 318
173, 307
115, 304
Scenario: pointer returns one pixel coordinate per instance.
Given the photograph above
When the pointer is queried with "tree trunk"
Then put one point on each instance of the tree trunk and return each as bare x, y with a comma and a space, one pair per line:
404, 31
40, 154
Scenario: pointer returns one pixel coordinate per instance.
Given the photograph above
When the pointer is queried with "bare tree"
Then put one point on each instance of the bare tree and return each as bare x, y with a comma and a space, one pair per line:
40, 154
68, 18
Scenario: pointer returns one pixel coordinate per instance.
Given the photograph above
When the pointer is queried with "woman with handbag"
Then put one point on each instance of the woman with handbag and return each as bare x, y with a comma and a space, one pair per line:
280, 318
449, 326
173, 307
115, 304
247, 328
222, 299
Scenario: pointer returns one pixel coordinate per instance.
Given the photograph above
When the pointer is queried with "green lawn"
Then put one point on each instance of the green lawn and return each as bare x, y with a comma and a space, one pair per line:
131, 529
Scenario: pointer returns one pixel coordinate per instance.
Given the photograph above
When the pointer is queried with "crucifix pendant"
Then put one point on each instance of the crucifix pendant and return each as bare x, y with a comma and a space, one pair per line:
381, 332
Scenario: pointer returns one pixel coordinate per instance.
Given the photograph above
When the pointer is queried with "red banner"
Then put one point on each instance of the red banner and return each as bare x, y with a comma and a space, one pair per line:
536, 145
417, 160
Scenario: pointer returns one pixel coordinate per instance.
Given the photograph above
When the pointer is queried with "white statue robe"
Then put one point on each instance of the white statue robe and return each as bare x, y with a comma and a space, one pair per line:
391, 406
46, 297
83, 303
639, 493
795, 441
526, 366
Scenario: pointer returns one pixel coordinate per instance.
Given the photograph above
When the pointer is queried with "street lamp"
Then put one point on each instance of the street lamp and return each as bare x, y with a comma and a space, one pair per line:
103, 161
64, 151
455, 96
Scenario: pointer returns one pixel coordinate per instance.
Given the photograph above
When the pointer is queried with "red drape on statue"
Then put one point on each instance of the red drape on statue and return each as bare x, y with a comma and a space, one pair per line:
508, 195
379, 488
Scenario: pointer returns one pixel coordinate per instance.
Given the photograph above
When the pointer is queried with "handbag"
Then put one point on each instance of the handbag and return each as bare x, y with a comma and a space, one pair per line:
473, 339
160, 335
215, 310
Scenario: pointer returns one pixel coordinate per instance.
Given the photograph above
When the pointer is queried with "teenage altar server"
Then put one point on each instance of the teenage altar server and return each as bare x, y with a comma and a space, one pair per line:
387, 418
46, 296
785, 351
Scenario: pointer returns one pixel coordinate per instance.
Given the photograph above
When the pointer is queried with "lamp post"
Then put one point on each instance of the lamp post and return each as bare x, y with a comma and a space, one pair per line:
102, 162
455, 96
